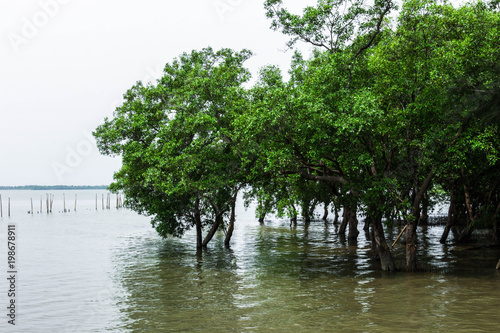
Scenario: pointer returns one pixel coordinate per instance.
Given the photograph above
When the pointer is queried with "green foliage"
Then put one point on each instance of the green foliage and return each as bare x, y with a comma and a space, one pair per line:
176, 139
377, 115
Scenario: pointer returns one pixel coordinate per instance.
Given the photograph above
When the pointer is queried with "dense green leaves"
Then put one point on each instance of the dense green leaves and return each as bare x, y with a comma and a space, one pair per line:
381, 117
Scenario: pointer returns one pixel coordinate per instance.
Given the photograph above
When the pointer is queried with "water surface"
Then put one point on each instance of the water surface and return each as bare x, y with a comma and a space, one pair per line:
107, 271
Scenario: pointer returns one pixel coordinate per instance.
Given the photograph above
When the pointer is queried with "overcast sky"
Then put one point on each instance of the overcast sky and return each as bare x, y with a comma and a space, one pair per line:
66, 63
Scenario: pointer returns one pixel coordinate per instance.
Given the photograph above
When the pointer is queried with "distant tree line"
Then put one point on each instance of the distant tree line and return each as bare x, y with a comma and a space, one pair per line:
383, 120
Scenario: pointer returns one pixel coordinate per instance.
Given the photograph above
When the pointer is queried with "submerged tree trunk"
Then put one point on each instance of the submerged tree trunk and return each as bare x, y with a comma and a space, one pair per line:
452, 217
218, 221
293, 214
467, 232
261, 218
424, 217
367, 225
353, 223
325, 211
411, 229
336, 212
312, 208
343, 225
411, 246
213, 230
382, 249
232, 218
305, 211
197, 219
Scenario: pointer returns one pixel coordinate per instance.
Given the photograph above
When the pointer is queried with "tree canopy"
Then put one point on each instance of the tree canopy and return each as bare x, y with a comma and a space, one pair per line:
383, 119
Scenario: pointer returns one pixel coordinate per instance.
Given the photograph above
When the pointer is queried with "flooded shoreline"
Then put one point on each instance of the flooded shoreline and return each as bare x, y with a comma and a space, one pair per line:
108, 270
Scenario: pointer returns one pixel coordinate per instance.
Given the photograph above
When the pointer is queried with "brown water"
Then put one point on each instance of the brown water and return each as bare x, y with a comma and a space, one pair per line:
107, 270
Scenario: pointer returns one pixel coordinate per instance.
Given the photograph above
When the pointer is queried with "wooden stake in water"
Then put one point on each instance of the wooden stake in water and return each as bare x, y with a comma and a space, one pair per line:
102, 201
41, 204
32, 206
64, 203
96, 202
1, 208
75, 201
47, 202
9, 206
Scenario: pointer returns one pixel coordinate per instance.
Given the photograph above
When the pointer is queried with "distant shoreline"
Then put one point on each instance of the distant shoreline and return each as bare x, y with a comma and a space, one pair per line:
55, 187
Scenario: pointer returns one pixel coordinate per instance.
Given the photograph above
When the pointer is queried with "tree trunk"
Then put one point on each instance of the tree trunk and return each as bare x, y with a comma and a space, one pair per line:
312, 208
353, 224
367, 225
232, 218
305, 211
213, 230
411, 246
467, 232
383, 250
197, 219
336, 211
452, 215
325, 211
424, 217
293, 215
411, 230
343, 225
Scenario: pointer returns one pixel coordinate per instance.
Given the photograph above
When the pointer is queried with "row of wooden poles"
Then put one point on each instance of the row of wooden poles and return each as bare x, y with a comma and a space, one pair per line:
1, 206
105, 204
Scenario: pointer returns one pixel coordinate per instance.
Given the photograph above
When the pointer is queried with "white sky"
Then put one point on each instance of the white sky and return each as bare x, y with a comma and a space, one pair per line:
66, 63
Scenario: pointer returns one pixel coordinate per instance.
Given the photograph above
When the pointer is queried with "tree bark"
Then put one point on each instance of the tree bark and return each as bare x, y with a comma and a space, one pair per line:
343, 225
215, 226
451, 220
367, 225
212, 231
467, 232
197, 219
411, 230
353, 224
424, 217
305, 211
383, 250
336, 211
325, 211
230, 228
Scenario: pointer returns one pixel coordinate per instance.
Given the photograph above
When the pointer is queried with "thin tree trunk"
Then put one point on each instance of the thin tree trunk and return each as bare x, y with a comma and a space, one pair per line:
305, 211
261, 209
353, 224
232, 218
411, 230
213, 230
336, 212
467, 232
197, 219
343, 225
325, 211
293, 215
424, 217
452, 215
383, 250
367, 225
